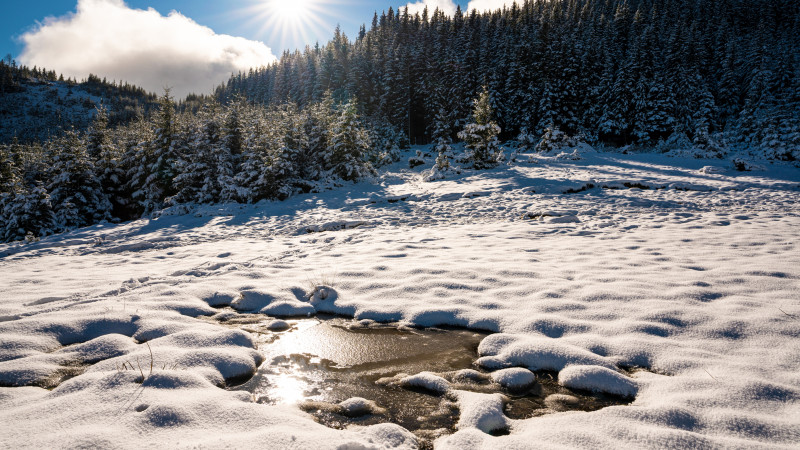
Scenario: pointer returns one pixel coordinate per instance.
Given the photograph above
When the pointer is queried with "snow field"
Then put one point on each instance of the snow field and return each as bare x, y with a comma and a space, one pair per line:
697, 287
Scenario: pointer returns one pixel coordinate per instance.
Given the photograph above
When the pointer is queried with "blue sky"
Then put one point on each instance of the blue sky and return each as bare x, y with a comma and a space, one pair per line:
228, 17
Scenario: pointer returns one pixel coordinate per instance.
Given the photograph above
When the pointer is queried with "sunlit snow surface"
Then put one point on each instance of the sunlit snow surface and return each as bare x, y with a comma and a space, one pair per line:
694, 278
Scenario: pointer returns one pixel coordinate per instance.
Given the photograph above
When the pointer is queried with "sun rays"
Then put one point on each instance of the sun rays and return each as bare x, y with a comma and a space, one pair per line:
291, 22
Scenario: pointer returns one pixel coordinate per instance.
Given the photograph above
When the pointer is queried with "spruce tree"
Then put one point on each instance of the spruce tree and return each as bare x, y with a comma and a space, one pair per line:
28, 213
480, 136
348, 142
76, 193
442, 147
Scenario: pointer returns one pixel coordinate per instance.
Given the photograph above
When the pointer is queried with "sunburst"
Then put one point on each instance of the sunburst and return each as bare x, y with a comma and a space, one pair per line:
291, 21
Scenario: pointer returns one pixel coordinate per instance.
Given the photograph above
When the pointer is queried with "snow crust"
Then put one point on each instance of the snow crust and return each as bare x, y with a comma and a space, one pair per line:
426, 380
481, 411
597, 379
689, 274
514, 378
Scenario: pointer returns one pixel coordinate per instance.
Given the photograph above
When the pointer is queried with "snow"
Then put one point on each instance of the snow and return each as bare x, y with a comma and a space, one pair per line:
597, 379
357, 406
690, 285
426, 380
533, 352
514, 378
481, 411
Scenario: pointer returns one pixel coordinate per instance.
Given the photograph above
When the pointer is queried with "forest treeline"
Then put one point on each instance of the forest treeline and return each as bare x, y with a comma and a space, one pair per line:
612, 71
237, 152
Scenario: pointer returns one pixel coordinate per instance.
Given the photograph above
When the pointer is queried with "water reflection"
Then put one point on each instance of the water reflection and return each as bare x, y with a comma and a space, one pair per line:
319, 362
287, 388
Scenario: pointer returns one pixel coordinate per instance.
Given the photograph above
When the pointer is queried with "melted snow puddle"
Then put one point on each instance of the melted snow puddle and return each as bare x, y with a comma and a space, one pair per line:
319, 362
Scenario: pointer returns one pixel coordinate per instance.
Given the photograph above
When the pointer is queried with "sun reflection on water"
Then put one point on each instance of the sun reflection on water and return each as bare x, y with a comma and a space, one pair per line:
287, 388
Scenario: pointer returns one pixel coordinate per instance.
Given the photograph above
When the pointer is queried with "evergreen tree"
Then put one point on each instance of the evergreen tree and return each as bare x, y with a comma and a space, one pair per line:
76, 193
348, 142
480, 136
28, 213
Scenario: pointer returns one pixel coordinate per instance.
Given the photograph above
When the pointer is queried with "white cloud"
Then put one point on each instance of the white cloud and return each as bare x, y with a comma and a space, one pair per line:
491, 5
109, 39
446, 6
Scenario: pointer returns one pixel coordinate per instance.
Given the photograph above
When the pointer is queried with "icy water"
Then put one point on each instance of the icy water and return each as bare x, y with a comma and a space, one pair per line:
319, 362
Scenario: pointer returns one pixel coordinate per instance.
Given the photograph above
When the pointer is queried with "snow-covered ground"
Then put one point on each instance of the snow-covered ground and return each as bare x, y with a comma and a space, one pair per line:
578, 269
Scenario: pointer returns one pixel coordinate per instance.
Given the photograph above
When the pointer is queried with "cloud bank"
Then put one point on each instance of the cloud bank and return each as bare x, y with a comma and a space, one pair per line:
491, 5
446, 6
109, 39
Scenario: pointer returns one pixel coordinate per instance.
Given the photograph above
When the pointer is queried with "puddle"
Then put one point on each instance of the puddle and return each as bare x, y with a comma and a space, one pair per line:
322, 361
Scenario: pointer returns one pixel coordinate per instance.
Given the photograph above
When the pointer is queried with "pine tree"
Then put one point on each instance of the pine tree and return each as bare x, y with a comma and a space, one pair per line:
159, 159
281, 173
348, 142
28, 213
76, 193
480, 136
442, 139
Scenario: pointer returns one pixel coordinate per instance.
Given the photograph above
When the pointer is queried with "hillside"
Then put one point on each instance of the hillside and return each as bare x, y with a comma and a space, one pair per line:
36, 105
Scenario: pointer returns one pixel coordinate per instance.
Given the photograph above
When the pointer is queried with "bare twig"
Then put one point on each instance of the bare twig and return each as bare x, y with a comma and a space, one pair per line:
789, 315
712, 376
151, 358
140, 369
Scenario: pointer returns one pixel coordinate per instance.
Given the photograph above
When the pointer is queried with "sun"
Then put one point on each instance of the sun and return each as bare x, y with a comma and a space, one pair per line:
291, 10
290, 21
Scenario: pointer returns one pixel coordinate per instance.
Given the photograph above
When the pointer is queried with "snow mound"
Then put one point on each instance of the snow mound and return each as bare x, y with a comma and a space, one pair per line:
597, 379
278, 325
481, 411
426, 380
357, 407
284, 303
468, 438
98, 349
385, 436
514, 378
534, 352
288, 309
216, 298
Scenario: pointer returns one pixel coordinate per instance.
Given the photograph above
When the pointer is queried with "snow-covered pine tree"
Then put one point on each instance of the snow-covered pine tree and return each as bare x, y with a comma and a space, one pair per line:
385, 142
9, 172
97, 139
480, 136
319, 120
228, 156
442, 146
196, 172
281, 175
442, 141
76, 193
348, 142
159, 159
107, 156
9, 183
135, 161
28, 213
